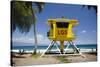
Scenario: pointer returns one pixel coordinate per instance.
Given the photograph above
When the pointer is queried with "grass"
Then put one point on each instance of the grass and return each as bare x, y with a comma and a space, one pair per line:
35, 56
62, 59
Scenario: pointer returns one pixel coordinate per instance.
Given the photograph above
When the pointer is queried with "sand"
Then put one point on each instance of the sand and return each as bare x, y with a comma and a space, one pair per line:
28, 59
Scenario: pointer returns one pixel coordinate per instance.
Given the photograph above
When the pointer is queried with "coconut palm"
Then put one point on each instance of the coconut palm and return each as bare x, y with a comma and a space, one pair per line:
23, 16
91, 6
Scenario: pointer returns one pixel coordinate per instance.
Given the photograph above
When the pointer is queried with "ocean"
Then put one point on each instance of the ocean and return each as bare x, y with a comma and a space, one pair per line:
81, 46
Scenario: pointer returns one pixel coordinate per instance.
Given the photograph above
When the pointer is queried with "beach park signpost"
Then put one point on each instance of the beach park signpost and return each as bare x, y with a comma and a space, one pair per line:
61, 30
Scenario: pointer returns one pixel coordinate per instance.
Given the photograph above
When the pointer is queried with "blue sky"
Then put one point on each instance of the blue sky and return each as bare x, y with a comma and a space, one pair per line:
86, 31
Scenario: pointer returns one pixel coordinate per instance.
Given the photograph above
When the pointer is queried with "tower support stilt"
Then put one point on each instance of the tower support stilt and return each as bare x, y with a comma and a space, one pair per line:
61, 49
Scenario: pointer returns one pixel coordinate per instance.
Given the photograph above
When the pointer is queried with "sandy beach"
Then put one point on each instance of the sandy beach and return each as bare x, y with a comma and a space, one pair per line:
29, 59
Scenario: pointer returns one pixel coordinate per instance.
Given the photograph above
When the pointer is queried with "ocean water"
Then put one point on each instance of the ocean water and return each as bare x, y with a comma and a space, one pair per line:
15, 46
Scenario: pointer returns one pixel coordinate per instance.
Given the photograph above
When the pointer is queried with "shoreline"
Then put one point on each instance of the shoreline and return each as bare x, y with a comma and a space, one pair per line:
83, 50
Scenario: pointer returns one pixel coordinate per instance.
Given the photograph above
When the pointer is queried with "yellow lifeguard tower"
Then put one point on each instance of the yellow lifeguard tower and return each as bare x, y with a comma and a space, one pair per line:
61, 30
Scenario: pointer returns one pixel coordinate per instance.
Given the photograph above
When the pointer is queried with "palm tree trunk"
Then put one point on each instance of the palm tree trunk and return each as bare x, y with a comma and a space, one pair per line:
35, 39
35, 36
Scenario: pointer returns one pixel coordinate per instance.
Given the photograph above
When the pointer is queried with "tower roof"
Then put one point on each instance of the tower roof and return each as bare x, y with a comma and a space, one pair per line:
71, 21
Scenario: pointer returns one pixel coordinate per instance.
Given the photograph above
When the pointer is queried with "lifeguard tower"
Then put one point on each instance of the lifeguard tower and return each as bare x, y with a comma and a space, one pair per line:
61, 30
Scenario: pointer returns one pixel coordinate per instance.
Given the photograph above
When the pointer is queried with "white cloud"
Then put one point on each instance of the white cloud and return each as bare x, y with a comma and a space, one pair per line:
84, 31
42, 40
23, 40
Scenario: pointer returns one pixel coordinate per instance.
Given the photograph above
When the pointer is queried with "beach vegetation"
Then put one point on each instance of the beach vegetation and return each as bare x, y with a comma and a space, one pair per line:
91, 6
62, 59
35, 56
23, 17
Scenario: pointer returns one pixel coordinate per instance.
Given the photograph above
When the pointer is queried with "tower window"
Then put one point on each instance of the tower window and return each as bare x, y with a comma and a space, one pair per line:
62, 24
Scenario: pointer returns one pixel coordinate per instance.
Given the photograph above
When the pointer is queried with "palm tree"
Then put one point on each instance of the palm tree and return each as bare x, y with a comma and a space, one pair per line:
91, 6
23, 16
